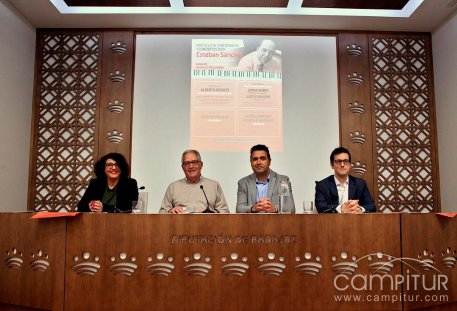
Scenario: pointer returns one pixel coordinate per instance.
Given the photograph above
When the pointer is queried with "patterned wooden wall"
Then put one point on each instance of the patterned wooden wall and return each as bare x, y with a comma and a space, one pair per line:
65, 113
405, 130
387, 118
83, 106
83, 109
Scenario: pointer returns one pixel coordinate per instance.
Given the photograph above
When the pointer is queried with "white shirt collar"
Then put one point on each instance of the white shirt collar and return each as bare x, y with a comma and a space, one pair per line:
257, 181
337, 182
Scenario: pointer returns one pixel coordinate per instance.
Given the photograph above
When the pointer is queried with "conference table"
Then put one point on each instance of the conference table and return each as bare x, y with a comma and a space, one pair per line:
228, 262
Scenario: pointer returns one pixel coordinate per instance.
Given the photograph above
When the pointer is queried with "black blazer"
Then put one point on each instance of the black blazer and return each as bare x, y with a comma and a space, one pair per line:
326, 197
127, 191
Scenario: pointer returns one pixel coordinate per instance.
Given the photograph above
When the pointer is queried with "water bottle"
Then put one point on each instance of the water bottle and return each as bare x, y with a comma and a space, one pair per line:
284, 198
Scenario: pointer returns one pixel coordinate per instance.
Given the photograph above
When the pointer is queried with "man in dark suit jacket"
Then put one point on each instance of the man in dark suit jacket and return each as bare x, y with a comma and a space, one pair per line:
259, 192
342, 193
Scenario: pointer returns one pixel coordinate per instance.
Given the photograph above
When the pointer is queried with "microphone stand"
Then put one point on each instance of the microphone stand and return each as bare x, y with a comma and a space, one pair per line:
207, 209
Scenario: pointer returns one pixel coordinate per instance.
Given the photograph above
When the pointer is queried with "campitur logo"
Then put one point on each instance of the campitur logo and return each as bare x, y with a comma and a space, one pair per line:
380, 279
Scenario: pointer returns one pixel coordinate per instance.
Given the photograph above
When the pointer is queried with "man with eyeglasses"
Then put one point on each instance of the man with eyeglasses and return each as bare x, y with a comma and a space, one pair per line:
264, 59
342, 193
259, 192
194, 193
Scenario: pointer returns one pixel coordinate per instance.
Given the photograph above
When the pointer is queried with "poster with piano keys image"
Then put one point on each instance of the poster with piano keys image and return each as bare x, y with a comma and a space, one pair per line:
236, 95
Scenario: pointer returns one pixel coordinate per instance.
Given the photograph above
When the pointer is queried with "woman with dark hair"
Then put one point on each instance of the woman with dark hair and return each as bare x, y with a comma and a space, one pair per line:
112, 191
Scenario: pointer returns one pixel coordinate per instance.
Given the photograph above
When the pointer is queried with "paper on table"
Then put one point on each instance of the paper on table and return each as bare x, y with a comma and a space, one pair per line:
450, 215
41, 215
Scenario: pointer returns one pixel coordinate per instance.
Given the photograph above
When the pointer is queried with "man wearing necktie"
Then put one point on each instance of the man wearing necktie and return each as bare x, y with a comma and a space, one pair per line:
265, 59
342, 193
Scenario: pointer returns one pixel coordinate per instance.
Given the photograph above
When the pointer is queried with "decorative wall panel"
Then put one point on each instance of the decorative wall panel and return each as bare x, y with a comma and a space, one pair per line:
83, 110
65, 113
355, 106
405, 147
116, 93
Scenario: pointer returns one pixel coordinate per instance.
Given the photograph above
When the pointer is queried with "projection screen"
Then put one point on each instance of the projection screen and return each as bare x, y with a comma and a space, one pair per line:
193, 91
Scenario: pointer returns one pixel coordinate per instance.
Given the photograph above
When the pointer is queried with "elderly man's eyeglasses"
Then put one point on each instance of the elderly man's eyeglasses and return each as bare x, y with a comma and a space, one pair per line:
339, 162
189, 163
111, 165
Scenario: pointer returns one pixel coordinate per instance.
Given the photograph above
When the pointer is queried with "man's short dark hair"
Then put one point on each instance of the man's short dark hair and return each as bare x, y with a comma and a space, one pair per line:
339, 150
121, 162
261, 148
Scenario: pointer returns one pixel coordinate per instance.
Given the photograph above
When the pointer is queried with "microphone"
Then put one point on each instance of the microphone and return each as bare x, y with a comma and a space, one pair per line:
117, 210
142, 188
332, 209
207, 209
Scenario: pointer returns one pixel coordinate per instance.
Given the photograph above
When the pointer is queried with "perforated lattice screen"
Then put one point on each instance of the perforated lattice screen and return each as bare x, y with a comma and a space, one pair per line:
403, 126
65, 128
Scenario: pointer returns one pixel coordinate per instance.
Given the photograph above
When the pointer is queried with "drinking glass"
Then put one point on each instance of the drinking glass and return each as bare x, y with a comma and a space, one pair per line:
285, 201
137, 207
308, 207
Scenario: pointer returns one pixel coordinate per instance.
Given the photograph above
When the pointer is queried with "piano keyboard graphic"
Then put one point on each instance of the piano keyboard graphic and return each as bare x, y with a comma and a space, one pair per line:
235, 74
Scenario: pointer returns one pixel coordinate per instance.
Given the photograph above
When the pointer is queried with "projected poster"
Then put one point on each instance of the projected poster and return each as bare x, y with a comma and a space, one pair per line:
236, 94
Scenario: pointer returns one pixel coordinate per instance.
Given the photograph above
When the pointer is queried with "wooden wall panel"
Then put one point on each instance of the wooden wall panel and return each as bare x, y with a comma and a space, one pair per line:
355, 104
32, 269
179, 262
429, 250
83, 110
405, 131
64, 128
115, 105
228, 262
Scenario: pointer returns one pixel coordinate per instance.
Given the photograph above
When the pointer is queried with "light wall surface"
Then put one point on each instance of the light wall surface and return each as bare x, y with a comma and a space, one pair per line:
17, 54
445, 71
